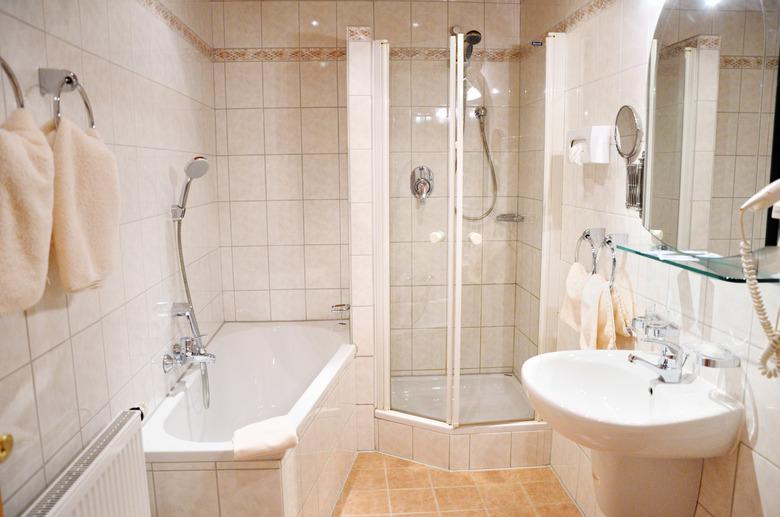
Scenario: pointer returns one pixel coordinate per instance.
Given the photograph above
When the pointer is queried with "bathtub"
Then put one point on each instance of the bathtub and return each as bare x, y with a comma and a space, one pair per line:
304, 370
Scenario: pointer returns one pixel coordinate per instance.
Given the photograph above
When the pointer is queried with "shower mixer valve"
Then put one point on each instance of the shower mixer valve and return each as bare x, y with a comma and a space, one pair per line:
421, 182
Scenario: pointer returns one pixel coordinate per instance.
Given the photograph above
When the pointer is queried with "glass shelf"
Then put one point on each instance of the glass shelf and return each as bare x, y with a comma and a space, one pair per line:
728, 269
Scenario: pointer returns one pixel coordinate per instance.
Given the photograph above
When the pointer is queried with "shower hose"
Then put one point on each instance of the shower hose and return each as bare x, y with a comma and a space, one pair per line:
481, 114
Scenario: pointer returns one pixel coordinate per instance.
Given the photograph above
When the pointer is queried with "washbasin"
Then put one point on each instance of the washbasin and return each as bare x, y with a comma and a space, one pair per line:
599, 399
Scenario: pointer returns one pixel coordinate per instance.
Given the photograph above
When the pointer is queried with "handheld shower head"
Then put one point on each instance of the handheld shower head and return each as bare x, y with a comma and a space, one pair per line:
196, 168
472, 38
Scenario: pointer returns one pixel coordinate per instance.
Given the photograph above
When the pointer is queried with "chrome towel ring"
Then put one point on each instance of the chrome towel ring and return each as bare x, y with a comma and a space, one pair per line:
592, 235
55, 82
14, 82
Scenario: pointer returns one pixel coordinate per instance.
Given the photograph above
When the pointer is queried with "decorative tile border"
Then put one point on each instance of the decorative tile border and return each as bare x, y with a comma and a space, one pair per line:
748, 62
702, 41
279, 54
175, 24
359, 33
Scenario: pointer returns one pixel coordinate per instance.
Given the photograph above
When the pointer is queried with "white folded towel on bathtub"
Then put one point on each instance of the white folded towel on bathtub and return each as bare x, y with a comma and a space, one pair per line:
264, 440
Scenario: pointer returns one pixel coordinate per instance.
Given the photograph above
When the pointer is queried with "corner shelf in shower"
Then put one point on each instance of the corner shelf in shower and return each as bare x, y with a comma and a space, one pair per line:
728, 269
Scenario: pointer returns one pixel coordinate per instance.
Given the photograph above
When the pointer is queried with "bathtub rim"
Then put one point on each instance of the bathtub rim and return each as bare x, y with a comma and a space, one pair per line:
160, 446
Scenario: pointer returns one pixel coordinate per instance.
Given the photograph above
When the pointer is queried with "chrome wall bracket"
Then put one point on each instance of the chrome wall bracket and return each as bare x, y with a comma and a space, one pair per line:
510, 218
50, 80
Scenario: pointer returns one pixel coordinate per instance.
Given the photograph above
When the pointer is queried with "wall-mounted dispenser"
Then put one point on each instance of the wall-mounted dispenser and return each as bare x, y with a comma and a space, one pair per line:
589, 144
421, 182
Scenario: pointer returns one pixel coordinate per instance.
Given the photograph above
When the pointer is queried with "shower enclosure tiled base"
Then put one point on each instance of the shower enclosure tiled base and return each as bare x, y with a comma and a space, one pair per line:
520, 444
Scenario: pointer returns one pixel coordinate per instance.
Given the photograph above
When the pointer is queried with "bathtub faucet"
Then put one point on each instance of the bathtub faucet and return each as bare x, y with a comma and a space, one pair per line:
185, 352
185, 310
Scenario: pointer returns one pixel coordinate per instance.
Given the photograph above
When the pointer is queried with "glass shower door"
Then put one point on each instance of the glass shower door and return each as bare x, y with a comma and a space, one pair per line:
422, 252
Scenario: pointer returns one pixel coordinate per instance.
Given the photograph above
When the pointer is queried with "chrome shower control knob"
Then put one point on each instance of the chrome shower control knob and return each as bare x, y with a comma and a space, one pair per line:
421, 182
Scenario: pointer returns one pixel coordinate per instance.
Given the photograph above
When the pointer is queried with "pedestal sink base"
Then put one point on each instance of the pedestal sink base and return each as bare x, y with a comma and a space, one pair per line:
639, 487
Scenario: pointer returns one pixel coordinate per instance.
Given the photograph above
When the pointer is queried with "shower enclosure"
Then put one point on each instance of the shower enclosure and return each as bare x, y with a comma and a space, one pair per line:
460, 311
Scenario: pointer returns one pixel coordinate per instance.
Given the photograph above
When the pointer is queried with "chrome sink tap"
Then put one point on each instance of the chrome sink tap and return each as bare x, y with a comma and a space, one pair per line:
185, 352
671, 360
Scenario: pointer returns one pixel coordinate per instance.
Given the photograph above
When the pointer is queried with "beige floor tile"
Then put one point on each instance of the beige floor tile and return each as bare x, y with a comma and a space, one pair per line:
458, 498
558, 510
546, 493
534, 475
442, 478
369, 460
504, 495
412, 500
519, 511
366, 502
408, 478
363, 479
397, 463
393, 487
486, 477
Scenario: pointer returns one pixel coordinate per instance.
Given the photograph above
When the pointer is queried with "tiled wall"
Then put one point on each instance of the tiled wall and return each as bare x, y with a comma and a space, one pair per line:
606, 67
281, 141
72, 361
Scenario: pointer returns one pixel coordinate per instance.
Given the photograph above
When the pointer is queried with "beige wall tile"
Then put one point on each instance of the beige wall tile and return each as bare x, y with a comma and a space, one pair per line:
318, 23
242, 492
243, 24
280, 24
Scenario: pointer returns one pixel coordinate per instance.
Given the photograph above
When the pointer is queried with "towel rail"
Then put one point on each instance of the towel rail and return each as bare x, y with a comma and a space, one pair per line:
14, 82
54, 82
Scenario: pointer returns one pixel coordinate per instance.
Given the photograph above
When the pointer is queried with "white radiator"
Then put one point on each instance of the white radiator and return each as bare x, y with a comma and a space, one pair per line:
108, 478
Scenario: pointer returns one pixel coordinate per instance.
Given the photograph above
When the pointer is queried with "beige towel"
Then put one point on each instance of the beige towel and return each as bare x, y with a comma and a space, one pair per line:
597, 317
264, 440
86, 206
26, 190
570, 309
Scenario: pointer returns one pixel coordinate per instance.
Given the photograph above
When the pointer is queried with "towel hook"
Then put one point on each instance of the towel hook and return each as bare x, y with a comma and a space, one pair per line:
14, 82
591, 235
54, 82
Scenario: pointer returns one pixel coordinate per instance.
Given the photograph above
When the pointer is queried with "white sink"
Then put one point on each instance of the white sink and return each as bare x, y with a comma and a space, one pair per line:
600, 400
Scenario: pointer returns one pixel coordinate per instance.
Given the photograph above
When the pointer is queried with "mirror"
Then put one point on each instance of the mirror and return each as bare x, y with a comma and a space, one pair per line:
711, 114
628, 132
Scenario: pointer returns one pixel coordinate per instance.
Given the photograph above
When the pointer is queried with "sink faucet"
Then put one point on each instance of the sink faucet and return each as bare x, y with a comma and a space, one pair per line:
669, 363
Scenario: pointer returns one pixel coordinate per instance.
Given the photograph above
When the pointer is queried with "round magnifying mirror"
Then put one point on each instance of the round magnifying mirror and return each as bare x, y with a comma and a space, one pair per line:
628, 133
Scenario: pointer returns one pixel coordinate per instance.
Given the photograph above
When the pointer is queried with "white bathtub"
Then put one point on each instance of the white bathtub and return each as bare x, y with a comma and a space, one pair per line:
302, 369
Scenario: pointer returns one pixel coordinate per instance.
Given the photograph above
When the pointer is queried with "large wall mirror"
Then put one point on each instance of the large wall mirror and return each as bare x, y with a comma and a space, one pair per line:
711, 116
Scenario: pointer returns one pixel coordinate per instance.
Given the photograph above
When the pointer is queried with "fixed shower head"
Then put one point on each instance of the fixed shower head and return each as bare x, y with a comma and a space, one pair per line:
196, 168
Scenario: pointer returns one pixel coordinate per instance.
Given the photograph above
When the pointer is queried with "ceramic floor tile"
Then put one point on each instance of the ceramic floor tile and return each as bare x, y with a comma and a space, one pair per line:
369, 460
408, 478
459, 498
506, 495
443, 478
558, 510
366, 502
381, 485
412, 500
363, 479
546, 493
